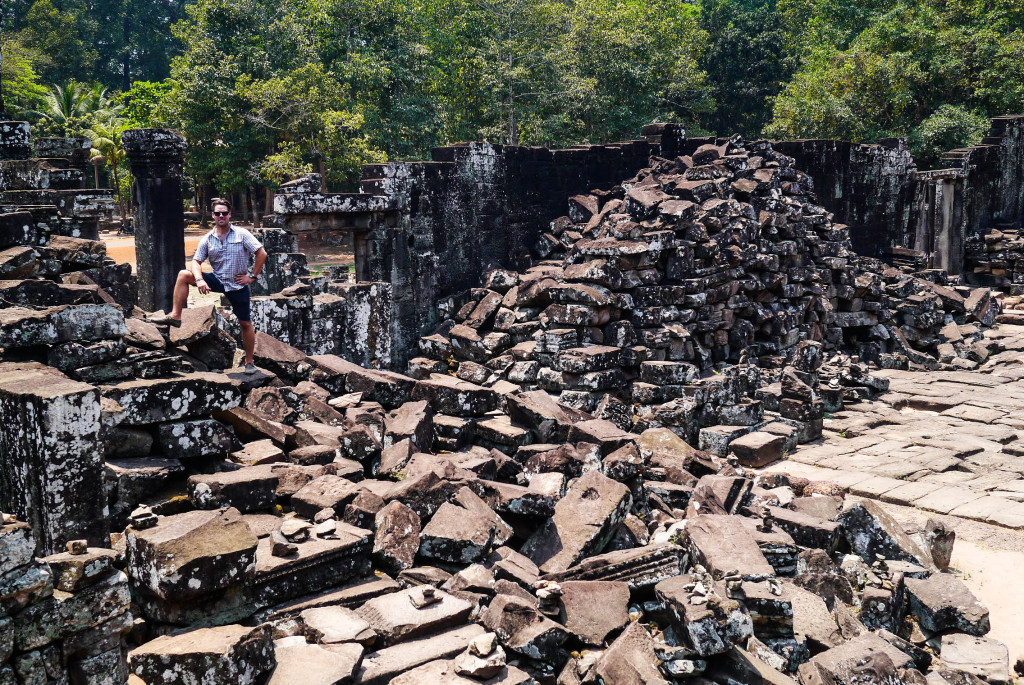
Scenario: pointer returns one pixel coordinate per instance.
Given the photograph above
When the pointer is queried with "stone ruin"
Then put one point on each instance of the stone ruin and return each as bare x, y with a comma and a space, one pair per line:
560, 487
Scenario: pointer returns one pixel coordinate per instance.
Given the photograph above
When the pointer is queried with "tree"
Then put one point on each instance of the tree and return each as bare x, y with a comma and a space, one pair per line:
20, 84
66, 110
746, 61
105, 134
64, 40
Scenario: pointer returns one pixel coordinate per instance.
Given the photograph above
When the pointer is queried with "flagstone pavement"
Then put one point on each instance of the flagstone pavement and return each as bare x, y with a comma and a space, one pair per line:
947, 442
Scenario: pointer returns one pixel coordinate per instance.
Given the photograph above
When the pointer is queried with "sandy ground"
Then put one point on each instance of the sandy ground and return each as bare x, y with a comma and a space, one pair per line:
122, 249
990, 561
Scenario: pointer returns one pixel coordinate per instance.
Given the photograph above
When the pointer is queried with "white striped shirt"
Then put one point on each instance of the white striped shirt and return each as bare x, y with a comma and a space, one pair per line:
230, 257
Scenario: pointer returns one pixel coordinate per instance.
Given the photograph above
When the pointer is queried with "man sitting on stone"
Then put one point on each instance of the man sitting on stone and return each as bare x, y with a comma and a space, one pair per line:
228, 249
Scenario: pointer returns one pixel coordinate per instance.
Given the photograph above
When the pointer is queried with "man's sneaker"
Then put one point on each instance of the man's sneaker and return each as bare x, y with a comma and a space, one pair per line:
250, 368
165, 320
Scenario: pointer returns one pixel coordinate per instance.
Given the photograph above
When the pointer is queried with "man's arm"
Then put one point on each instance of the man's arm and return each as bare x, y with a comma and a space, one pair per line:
257, 268
197, 272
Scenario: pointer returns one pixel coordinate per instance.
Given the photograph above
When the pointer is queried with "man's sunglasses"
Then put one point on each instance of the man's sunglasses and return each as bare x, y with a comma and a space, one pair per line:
221, 213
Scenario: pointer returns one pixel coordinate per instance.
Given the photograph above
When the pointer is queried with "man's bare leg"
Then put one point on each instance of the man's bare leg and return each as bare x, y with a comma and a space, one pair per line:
185, 279
248, 340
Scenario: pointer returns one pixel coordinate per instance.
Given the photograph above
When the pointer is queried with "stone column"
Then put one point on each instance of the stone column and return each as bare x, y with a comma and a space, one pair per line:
156, 157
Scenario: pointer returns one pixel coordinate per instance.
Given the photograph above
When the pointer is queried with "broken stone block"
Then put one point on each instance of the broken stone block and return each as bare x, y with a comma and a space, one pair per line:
16, 545
639, 568
983, 657
386, 665
192, 554
740, 665
259, 452
871, 532
583, 523
942, 602
20, 327
704, 617
335, 624
722, 544
758, 449
867, 658
630, 660
252, 488
326, 492
400, 616
397, 538
546, 418
592, 609
188, 396
52, 465
457, 535
73, 571
228, 654
455, 397
522, 628
198, 438
412, 421
302, 664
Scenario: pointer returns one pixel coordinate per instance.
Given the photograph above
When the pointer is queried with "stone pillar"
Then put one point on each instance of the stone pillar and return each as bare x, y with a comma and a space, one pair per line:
156, 157
51, 460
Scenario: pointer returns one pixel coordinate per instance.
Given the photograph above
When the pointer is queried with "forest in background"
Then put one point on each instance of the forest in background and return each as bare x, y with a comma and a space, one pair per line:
265, 90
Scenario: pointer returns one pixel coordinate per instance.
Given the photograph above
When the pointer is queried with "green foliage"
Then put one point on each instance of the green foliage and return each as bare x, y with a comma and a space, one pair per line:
21, 88
950, 127
63, 37
144, 104
70, 109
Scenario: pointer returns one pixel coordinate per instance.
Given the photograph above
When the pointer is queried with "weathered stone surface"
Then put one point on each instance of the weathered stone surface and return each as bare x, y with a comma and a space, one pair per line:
52, 463
171, 399
397, 538
758, 449
21, 327
454, 396
383, 666
228, 654
870, 532
980, 656
592, 609
189, 555
868, 657
335, 624
400, 616
630, 660
302, 664
327, 491
523, 629
196, 438
73, 571
942, 602
722, 544
248, 489
704, 617
463, 533
584, 521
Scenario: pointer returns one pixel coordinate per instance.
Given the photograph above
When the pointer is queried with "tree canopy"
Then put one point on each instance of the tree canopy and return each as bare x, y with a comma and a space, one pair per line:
267, 89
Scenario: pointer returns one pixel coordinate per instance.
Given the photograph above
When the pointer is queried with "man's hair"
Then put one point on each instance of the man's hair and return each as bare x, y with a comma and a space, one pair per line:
220, 201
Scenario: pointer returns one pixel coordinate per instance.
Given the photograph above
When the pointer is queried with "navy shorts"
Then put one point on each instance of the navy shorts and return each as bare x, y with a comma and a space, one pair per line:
239, 299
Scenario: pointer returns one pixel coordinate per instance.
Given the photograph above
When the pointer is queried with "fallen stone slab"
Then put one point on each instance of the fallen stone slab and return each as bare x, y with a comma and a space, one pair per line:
227, 654
397, 538
400, 616
704, 618
196, 438
336, 624
340, 376
20, 327
521, 627
383, 666
189, 555
71, 572
630, 660
326, 492
454, 396
583, 523
758, 449
639, 568
942, 602
445, 672
186, 396
593, 609
871, 532
722, 544
248, 489
303, 664
740, 666
866, 657
983, 657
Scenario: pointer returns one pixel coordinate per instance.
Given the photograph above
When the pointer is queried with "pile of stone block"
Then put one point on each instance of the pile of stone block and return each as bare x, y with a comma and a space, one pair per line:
63, 617
996, 258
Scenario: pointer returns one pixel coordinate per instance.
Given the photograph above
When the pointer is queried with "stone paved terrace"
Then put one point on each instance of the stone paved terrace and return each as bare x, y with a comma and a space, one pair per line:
942, 442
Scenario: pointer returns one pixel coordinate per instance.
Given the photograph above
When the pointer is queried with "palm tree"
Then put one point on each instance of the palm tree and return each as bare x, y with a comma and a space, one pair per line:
105, 134
71, 108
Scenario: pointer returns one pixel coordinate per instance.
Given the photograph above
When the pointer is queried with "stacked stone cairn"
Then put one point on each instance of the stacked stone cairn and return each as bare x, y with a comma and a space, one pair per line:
559, 491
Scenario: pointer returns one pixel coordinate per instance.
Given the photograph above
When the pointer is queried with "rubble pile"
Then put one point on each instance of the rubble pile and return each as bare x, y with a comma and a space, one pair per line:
558, 491
997, 258
62, 617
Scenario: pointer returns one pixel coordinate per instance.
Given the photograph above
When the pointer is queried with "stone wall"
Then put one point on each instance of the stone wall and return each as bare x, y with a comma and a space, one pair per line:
479, 206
